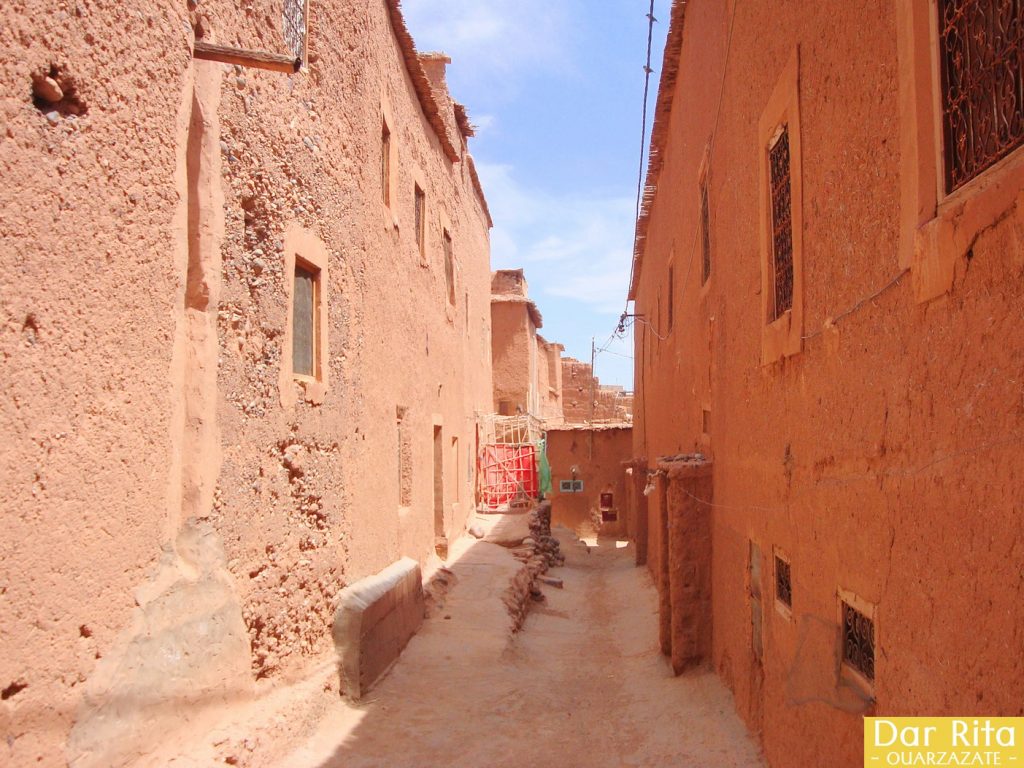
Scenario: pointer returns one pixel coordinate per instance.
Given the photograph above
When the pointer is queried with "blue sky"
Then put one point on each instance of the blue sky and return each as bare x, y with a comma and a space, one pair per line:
555, 88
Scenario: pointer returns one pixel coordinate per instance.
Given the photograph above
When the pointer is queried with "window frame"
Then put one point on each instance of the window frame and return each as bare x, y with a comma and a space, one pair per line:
303, 54
704, 217
316, 291
847, 672
448, 246
304, 249
420, 220
385, 161
784, 609
782, 336
937, 228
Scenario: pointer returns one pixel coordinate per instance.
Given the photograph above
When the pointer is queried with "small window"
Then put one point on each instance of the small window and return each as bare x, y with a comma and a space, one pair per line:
565, 486
295, 25
705, 421
306, 321
385, 163
783, 581
982, 62
705, 232
858, 638
781, 298
449, 268
421, 220
577, 486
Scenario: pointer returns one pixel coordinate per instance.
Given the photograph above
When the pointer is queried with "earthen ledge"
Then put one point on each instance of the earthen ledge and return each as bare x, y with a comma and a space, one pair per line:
688, 465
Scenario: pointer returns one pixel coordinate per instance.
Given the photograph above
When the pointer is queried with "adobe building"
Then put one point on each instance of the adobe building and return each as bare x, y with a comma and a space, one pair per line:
586, 400
588, 484
827, 285
527, 368
246, 327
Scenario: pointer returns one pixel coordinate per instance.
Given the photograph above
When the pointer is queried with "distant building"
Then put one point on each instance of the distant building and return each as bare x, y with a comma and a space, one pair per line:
527, 369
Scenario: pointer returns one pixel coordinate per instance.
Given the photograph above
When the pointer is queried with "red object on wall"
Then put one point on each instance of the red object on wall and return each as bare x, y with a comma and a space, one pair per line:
509, 471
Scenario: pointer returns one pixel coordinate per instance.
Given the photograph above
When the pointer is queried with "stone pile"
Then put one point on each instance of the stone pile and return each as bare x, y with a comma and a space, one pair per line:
539, 552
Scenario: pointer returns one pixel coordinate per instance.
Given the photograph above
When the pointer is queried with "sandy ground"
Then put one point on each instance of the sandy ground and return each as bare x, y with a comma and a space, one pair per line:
582, 685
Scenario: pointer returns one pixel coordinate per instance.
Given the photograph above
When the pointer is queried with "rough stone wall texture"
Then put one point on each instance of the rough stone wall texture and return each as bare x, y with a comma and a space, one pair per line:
882, 458
598, 455
581, 389
168, 492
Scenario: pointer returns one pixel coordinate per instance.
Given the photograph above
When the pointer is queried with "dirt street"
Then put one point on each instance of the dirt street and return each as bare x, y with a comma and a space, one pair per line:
582, 684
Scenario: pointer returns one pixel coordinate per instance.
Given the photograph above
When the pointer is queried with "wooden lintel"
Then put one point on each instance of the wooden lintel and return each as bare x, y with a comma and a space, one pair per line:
275, 62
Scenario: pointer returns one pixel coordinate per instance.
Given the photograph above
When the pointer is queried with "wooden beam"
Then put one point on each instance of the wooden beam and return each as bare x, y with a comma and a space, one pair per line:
275, 62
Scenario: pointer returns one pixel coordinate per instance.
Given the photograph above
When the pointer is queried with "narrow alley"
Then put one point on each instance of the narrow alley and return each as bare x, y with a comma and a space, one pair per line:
368, 400
582, 684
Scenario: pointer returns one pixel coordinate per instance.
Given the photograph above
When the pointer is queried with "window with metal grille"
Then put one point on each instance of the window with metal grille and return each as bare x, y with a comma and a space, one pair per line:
306, 321
783, 582
385, 163
705, 232
858, 641
981, 46
449, 267
782, 226
294, 24
421, 219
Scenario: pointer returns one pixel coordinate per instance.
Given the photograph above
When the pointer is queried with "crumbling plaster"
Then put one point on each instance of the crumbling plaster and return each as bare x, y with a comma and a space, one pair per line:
159, 465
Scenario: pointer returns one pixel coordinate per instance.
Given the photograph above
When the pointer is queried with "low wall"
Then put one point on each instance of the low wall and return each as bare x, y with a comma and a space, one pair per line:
375, 619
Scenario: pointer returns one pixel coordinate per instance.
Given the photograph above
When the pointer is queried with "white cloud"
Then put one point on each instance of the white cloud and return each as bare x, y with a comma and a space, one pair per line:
573, 247
494, 37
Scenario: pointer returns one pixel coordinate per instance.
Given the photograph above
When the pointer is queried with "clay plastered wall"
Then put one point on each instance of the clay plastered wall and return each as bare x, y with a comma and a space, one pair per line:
598, 455
163, 479
90, 293
512, 343
879, 459
583, 399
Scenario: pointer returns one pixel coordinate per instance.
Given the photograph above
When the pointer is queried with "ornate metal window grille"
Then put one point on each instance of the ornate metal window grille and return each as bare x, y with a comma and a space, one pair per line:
705, 233
782, 226
783, 582
858, 641
294, 25
982, 62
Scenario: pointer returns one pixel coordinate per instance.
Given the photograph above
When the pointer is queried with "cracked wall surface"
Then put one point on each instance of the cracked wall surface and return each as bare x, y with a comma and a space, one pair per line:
180, 517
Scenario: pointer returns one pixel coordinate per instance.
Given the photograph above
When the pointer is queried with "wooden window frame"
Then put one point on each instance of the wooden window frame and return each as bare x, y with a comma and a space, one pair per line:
420, 220
303, 54
304, 249
385, 161
704, 218
786, 611
449, 265
938, 228
782, 337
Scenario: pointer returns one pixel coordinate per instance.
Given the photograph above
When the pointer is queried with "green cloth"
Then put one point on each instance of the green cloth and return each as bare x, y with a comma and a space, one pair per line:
543, 468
